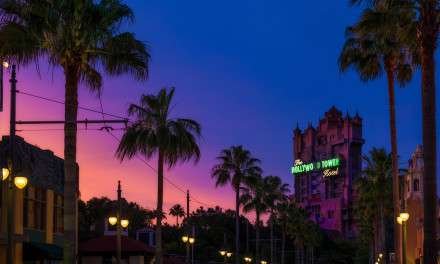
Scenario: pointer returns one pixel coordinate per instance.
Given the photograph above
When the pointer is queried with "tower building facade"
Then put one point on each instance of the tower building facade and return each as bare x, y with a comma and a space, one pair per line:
327, 161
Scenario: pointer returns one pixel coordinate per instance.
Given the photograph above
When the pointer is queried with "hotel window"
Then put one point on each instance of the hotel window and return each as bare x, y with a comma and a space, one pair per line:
58, 211
34, 208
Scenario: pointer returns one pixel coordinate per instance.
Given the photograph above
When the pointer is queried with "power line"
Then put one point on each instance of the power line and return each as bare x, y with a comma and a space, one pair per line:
109, 130
79, 107
165, 178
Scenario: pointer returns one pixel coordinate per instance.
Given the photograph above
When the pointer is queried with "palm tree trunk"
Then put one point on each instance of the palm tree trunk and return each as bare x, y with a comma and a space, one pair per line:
159, 252
271, 240
257, 237
394, 157
283, 246
177, 220
70, 167
237, 224
429, 34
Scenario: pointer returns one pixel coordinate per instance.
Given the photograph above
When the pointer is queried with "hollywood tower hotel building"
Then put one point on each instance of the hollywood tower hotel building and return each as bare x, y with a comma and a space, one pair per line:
327, 160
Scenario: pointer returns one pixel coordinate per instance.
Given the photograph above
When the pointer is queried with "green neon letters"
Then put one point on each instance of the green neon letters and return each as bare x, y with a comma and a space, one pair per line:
315, 166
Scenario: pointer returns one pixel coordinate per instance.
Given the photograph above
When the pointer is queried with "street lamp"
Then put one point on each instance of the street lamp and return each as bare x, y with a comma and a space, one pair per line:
263, 262
247, 259
124, 223
112, 220
222, 253
402, 219
5, 173
20, 182
120, 223
229, 254
189, 241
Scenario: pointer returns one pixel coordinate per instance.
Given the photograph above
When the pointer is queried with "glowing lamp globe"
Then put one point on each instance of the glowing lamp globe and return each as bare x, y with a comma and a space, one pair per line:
124, 223
229, 254
192, 240
380, 255
222, 252
404, 216
5, 173
185, 239
112, 220
6, 64
20, 182
399, 220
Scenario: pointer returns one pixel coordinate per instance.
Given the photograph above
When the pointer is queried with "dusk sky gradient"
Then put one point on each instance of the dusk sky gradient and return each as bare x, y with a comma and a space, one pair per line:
248, 71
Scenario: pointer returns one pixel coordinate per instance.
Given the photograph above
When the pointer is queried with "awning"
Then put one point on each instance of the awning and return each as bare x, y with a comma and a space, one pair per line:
41, 251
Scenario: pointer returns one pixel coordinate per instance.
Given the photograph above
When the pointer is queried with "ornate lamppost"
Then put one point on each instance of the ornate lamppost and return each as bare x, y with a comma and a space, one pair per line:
402, 219
120, 223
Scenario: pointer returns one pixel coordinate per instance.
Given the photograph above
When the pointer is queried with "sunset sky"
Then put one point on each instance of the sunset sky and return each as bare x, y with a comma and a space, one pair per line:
248, 71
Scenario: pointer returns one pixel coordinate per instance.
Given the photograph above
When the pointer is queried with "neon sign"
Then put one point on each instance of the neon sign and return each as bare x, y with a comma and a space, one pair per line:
328, 166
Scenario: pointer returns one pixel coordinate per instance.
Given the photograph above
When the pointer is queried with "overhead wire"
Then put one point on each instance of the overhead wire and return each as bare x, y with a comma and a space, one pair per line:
109, 130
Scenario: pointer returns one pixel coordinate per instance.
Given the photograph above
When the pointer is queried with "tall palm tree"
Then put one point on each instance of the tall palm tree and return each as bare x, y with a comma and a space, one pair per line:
374, 205
83, 37
428, 34
276, 193
177, 211
254, 199
154, 133
378, 44
236, 165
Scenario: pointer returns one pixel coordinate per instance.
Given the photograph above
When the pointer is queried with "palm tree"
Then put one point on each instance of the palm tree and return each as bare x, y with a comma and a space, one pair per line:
235, 166
374, 205
177, 211
276, 193
155, 134
426, 37
84, 39
282, 219
254, 199
377, 43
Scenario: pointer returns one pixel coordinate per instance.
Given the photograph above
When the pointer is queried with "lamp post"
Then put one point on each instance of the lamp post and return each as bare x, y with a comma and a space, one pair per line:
9, 173
120, 223
222, 253
402, 219
189, 241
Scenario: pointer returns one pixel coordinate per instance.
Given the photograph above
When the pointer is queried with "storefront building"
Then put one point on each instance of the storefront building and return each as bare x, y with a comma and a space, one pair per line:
38, 208
327, 161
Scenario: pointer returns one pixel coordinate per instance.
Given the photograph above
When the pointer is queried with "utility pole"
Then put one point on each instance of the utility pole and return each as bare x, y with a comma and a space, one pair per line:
192, 245
118, 226
187, 218
11, 200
